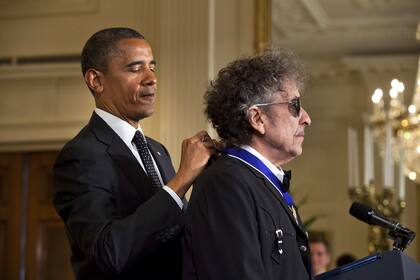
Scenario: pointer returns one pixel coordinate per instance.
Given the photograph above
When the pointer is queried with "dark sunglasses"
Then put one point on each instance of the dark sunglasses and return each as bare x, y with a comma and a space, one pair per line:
293, 106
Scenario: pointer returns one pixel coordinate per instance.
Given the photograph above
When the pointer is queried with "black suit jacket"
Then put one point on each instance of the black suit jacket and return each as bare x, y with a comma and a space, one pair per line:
231, 225
117, 225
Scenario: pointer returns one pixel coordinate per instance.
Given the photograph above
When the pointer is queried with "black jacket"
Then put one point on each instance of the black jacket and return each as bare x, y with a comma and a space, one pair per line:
117, 225
231, 224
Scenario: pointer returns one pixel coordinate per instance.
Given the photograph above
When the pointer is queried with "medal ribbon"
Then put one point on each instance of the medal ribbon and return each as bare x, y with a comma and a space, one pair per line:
257, 164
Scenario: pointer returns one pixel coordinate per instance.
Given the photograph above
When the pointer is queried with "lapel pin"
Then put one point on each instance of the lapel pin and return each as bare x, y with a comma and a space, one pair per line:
158, 153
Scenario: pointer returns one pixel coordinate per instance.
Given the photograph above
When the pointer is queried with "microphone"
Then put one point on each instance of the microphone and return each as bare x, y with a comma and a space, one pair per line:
368, 215
401, 235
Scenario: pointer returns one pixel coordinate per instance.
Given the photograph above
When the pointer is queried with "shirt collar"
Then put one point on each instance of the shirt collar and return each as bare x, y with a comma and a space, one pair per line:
122, 128
278, 172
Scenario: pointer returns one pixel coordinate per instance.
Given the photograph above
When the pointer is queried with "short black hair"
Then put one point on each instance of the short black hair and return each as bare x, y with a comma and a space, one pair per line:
244, 82
102, 46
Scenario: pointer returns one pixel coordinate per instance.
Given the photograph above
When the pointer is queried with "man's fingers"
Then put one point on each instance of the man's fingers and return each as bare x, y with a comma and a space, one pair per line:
209, 144
202, 135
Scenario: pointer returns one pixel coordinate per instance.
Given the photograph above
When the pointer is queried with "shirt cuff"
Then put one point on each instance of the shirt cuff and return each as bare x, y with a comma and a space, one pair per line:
174, 196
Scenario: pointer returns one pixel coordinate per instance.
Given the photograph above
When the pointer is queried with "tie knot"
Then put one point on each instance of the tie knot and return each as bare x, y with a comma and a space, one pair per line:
138, 134
140, 141
138, 137
288, 174
285, 185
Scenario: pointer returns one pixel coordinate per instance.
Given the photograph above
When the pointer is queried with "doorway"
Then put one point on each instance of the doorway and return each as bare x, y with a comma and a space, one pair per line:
33, 244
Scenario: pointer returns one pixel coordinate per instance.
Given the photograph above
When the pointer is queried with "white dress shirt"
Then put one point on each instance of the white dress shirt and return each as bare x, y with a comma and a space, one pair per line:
278, 172
126, 132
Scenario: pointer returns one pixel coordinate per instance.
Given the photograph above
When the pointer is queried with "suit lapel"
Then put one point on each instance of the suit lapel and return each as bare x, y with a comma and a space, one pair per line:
122, 156
279, 197
162, 160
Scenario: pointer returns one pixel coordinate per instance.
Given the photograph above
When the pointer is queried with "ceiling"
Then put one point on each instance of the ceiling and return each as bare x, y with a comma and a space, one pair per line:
337, 28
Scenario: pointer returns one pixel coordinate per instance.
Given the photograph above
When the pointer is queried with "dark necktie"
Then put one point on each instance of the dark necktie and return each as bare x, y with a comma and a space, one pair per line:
285, 185
146, 158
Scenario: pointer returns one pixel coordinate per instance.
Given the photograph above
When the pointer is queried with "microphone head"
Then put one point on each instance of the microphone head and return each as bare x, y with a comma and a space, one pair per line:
361, 212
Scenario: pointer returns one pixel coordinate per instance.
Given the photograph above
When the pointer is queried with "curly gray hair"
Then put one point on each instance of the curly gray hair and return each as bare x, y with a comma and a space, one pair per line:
244, 82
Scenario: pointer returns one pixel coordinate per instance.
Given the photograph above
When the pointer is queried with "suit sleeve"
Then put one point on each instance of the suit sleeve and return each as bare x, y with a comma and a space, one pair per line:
85, 200
221, 240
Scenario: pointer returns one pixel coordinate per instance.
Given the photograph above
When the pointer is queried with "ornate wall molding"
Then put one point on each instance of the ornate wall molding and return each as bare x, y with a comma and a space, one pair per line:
345, 27
40, 71
37, 135
362, 64
20, 8
381, 63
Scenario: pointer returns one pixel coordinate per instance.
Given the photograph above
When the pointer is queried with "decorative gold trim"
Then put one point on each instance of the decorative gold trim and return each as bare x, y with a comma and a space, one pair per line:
262, 37
383, 202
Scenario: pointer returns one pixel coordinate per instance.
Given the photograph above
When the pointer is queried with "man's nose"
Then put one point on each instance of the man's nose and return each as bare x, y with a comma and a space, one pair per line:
150, 79
304, 118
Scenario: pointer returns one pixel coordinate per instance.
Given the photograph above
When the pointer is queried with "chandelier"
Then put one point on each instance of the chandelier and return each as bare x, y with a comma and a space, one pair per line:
396, 129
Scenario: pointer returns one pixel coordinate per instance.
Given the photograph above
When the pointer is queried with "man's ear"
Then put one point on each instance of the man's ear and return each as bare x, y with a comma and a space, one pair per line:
256, 119
94, 81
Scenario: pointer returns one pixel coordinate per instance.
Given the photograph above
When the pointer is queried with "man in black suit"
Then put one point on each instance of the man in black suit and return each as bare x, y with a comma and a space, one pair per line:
115, 189
241, 222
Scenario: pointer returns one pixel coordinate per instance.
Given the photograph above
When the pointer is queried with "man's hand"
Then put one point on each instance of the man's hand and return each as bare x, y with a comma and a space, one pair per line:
196, 151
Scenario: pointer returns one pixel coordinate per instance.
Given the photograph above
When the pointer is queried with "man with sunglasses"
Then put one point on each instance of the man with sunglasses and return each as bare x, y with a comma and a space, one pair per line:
242, 222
